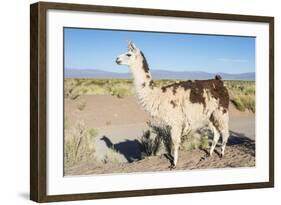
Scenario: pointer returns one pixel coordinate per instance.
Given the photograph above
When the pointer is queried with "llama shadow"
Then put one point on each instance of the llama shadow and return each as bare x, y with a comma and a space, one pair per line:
130, 149
235, 138
240, 138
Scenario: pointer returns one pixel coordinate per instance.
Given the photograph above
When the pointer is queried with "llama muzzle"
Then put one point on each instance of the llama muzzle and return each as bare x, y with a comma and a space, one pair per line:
118, 61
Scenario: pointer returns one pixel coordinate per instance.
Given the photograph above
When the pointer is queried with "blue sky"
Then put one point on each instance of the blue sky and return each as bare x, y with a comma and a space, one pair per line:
98, 49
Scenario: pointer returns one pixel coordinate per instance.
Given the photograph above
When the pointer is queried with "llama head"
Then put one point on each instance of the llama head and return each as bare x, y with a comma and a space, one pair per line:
130, 57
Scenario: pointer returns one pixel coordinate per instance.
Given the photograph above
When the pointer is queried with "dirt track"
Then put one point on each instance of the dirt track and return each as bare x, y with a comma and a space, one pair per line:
121, 123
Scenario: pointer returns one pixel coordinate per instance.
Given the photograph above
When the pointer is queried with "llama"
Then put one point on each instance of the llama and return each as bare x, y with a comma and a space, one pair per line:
182, 106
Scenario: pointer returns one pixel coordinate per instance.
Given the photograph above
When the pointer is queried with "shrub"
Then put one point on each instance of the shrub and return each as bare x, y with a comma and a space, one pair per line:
79, 144
113, 156
238, 104
120, 91
156, 140
150, 144
73, 88
242, 94
204, 142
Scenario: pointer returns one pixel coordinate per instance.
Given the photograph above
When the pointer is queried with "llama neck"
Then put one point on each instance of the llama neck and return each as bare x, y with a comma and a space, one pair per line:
143, 83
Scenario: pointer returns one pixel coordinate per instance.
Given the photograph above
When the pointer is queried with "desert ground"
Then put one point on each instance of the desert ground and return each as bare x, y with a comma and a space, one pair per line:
115, 126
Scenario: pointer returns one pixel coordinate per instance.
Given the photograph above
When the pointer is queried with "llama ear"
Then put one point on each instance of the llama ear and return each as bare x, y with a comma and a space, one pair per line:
131, 46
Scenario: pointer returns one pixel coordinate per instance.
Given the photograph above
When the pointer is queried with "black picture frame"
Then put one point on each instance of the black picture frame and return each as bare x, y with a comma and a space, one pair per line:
38, 100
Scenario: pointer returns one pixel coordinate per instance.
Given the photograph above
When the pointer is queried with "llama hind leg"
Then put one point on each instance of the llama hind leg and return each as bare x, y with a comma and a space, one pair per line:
225, 136
220, 120
215, 139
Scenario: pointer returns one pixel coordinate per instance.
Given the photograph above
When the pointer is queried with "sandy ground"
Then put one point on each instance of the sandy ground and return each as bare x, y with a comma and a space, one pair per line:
121, 122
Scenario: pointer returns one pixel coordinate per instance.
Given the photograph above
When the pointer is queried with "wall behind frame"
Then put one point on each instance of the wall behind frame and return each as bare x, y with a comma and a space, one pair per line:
14, 103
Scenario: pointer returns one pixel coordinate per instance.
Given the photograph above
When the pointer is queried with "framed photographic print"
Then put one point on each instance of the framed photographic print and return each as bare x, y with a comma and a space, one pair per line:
134, 102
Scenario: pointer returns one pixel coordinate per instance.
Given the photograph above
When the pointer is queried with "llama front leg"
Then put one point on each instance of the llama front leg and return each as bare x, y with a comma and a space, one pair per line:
176, 138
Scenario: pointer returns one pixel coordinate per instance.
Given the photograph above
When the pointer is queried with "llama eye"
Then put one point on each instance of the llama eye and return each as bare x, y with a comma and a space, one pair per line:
128, 55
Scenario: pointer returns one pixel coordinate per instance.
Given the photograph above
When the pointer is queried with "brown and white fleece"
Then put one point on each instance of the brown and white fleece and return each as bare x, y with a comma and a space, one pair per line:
182, 106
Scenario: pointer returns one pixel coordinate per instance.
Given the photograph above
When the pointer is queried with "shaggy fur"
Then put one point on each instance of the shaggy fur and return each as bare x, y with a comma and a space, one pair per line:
215, 88
181, 106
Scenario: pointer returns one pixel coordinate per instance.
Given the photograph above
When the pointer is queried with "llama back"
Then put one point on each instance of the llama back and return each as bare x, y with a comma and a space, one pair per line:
201, 92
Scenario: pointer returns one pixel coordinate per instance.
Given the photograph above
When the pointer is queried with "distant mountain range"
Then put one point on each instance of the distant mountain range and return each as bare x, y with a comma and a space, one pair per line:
156, 74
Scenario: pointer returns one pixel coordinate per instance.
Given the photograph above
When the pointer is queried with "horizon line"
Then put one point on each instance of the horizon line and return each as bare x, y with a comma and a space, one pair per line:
180, 71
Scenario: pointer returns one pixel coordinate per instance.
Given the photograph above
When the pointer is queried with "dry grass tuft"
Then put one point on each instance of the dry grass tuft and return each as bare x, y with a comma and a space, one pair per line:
157, 140
79, 144
198, 139
73, 88
113, 156
242, 94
